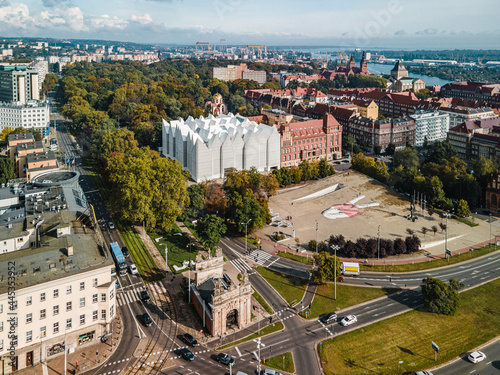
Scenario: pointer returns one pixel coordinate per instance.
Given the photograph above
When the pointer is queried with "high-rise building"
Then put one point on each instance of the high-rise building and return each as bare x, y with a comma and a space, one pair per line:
18, 83
431, 126
33, 115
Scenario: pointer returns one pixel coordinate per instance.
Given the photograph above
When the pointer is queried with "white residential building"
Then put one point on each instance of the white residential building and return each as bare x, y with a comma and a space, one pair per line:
462, 114
206, 147
33, 115
431, 126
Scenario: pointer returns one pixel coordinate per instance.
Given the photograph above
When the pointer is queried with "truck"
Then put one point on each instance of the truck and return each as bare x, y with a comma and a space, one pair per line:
350, 269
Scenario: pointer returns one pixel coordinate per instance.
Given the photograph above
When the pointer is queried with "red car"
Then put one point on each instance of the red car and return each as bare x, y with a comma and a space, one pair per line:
341, 278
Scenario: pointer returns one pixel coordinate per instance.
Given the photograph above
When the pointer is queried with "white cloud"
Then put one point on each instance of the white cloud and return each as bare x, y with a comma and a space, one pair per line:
143, 20
15, 16
107, 22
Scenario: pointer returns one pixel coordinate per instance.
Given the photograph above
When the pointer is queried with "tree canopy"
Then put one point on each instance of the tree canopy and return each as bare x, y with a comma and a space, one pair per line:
441, 298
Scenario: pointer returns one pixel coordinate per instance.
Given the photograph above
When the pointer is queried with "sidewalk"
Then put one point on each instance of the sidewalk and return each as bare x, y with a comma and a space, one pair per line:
275, 248
85, 356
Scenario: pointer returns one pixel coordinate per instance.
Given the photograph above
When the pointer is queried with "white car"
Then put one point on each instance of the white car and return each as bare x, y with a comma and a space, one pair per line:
133, 269
476, 357
111, 225
348, 320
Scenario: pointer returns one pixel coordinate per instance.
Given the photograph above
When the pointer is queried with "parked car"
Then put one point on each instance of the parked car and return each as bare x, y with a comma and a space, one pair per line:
225, 359
146, 319
133, 269
189, 339
348, 320
125, 252
270, 371
145, 296
186, 354
111, 225
328, 318
476, 357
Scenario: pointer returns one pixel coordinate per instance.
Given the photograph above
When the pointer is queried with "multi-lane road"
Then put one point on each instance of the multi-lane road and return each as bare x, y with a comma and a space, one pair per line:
162, 339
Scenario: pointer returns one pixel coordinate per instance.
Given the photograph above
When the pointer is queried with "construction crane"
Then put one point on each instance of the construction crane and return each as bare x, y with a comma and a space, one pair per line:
259, 50
342, 56
201, 44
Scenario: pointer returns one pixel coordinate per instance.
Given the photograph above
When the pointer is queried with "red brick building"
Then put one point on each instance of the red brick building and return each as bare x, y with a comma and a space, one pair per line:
310, 140
493, 193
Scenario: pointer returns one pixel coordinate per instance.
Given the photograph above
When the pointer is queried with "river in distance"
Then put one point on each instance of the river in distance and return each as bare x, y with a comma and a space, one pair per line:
386, 69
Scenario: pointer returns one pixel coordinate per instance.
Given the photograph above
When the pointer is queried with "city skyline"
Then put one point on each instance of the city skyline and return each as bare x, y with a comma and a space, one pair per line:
363, 24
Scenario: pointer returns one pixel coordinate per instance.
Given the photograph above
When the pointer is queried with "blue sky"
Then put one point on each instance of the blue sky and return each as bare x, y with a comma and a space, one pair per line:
435, 24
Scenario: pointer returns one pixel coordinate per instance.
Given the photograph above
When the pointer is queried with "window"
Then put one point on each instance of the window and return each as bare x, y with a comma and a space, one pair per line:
56, 309
82, 319
68, 289
1, 345
56, 293
111, 294
82, 285
43, 314
29, 336
29, 300
103, 297
1, 326
94, 298
103, 314
29, 318
68, 323
69, 306
94, 282
43, 331
42, 297
82, 302
94, 315
112, 311
1, 308
55, 328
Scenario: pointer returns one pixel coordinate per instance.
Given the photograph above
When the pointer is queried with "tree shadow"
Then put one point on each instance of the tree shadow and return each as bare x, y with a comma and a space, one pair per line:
352, 363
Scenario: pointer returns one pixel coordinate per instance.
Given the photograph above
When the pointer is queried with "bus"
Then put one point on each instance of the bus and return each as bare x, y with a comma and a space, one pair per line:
121, 265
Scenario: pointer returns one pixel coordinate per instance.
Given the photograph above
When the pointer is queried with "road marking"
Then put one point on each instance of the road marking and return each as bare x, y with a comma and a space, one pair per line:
473, 371
238, 350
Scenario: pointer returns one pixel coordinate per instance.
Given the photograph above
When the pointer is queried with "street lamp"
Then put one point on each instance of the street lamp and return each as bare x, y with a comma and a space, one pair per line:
316, 236
259, 345
378, 242
490, 230
231, 368
446, 235
189, 267
246, 233
334, 247
166, 258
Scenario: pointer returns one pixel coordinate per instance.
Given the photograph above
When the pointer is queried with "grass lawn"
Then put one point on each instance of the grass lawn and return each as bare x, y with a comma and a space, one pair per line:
291, 288
94, 171
282, 362
189, 225
378, 348
296, 258
346, 296
262, 302
140, 255
264, 331
431, 264
176, 242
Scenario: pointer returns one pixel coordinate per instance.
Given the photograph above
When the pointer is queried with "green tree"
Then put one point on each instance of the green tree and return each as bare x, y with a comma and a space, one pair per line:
462, 208
407, 157
270, 184
441, 298
326, 264
146, 187
5, 133
6, 170
325, 169
108, 140
210, 228
440, 150
255, 178
390, 149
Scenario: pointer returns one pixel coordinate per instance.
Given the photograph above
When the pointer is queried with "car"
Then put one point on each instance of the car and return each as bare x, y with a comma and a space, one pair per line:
111, 225
146, 319
125, 252
328, 318
133, 269
144, 296
117, 284
225, 359
189, 339
270, 371
476, 357
186, 354
423, 373
348, 320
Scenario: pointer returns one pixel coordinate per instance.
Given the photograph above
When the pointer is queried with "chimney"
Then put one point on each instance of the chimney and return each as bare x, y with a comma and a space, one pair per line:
70, 250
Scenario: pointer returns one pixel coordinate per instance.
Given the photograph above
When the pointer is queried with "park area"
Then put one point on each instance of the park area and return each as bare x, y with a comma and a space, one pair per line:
378, 348
298, 209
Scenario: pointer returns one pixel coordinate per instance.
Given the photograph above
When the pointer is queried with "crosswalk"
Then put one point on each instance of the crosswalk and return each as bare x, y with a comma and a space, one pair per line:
241, 265
126, 296
260, 257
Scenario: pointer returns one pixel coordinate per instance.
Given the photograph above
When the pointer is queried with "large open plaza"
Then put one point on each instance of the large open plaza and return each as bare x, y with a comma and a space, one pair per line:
306, 203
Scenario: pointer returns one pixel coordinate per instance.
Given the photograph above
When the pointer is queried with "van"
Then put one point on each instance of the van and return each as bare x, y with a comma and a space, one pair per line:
241, 373
270, 371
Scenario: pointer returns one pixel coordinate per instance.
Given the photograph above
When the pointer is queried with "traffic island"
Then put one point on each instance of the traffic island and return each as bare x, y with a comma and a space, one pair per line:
282, 362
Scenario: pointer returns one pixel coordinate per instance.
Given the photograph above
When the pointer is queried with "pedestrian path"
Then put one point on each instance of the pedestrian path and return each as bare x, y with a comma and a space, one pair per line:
241, 266
127, 296
261, 257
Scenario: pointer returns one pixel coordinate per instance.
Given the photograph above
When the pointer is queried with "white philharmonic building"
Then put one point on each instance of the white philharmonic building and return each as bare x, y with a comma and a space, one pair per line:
206, 147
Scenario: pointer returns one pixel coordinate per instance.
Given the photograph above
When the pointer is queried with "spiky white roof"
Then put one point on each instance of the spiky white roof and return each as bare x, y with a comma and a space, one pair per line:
223, 126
